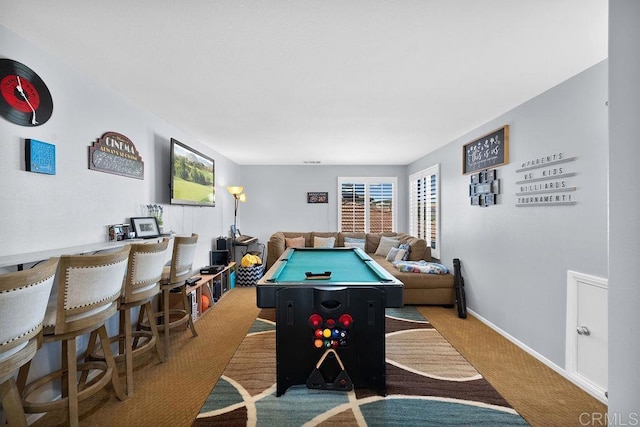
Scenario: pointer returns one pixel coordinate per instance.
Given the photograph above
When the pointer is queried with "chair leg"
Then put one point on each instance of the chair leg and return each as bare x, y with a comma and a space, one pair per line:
111, 363
70, 386
21, 383
122, 346
23, 374
185, 303
165, 321
93, 338
154, 329
12, 404
64, 387
128, 349
139, 322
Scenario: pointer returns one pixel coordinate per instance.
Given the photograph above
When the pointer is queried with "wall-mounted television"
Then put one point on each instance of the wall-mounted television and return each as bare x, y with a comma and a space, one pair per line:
192, 176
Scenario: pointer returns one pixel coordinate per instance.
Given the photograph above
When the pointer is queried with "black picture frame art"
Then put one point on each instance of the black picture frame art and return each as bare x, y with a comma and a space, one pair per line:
484, 188
488, 151
145, 227
318, 197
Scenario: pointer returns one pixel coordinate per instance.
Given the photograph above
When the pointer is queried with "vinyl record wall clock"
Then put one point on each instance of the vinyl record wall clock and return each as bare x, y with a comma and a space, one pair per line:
24, 98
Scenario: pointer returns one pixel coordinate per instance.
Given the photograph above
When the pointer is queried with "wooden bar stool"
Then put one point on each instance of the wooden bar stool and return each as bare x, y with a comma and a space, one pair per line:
85, 295
174, 277
23, 302
142, 283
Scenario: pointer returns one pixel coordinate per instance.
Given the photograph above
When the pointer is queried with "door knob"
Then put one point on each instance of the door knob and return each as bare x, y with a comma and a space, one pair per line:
583, 330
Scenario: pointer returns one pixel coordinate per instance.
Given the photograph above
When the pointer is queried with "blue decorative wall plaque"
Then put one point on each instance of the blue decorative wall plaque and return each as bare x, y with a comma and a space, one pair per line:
40, 157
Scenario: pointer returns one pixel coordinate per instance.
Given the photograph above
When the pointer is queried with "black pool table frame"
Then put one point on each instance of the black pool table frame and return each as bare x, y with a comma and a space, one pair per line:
362, 352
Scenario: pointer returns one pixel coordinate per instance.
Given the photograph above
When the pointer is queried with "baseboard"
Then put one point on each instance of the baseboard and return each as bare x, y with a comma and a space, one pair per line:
560, 371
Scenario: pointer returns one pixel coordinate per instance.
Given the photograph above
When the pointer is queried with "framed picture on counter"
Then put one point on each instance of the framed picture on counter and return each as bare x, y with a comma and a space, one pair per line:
145, 227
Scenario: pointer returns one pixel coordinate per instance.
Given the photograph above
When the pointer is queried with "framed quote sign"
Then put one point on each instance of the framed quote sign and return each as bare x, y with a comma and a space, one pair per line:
486, 152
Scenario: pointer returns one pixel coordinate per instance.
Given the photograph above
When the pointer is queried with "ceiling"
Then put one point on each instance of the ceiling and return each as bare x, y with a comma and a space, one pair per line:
338, 82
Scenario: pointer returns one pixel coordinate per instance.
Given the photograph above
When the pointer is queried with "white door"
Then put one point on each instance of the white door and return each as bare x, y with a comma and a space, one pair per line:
587, 332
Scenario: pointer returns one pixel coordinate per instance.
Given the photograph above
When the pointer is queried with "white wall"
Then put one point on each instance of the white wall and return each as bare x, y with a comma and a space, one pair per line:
277, 197
76, 205
515, 259
624, 205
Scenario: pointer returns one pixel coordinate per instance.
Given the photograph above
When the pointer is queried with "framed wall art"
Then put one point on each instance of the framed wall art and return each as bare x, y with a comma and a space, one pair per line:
484, 188
145, 227
40, 157
487, 152
116, 154
318, 197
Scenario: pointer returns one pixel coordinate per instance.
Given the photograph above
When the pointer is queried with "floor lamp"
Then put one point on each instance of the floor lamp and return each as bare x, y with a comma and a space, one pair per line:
238, 196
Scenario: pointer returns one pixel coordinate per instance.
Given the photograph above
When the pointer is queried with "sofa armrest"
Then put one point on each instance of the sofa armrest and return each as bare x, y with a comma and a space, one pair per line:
277, 244
418, 248
275, 248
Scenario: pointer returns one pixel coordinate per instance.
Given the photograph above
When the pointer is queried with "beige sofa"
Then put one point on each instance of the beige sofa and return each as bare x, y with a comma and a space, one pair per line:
419, 289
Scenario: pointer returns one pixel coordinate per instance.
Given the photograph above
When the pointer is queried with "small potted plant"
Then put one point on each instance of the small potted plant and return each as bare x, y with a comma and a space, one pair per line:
156, 211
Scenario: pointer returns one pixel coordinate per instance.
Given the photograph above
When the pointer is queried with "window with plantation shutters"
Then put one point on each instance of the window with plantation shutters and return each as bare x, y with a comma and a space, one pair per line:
367, 204
424, 207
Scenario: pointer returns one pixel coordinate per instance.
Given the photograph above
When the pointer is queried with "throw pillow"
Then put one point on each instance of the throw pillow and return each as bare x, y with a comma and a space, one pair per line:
407, 249
324, 242
294, 242
421, 267
354, 245
386, 244
396, 254
352, 242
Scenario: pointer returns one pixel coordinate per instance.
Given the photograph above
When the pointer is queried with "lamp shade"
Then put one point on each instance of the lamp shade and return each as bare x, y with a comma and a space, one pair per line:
235, 190
242, 197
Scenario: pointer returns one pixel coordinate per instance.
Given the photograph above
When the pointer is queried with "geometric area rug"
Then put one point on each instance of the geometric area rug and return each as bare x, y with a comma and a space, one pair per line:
428, 384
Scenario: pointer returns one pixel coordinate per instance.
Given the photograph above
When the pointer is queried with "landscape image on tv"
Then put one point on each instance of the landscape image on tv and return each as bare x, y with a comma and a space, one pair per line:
192, 176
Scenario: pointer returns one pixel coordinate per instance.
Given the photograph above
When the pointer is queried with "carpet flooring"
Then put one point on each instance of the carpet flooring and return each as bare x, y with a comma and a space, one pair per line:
172, 393
428, 383
539, 394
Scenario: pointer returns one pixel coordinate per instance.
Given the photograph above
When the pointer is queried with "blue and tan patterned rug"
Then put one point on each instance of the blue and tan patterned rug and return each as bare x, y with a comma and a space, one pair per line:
428, 383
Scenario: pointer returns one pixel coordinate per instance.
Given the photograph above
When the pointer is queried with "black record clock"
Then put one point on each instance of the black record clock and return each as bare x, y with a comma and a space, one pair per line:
24, 98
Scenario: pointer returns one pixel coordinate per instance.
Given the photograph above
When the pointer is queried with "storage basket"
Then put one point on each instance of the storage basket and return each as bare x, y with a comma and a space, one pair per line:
249, 276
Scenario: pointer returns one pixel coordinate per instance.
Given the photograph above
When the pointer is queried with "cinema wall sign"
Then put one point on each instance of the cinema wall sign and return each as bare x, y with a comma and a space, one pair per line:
115, 153
546, 181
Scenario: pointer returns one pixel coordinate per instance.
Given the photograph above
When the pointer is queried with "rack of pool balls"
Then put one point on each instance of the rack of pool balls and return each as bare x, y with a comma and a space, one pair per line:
330, 333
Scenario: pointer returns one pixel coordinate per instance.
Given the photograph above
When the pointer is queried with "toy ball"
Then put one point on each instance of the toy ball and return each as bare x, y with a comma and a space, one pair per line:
205, 302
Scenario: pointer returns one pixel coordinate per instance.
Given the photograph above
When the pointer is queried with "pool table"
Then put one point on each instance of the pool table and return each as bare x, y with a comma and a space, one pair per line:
350, 267
330, 328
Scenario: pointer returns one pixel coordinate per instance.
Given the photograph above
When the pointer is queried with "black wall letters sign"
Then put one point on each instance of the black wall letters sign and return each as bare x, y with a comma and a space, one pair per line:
487, 152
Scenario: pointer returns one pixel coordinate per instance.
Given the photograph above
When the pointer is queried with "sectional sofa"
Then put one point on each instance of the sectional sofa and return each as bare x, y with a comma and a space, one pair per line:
419, 288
